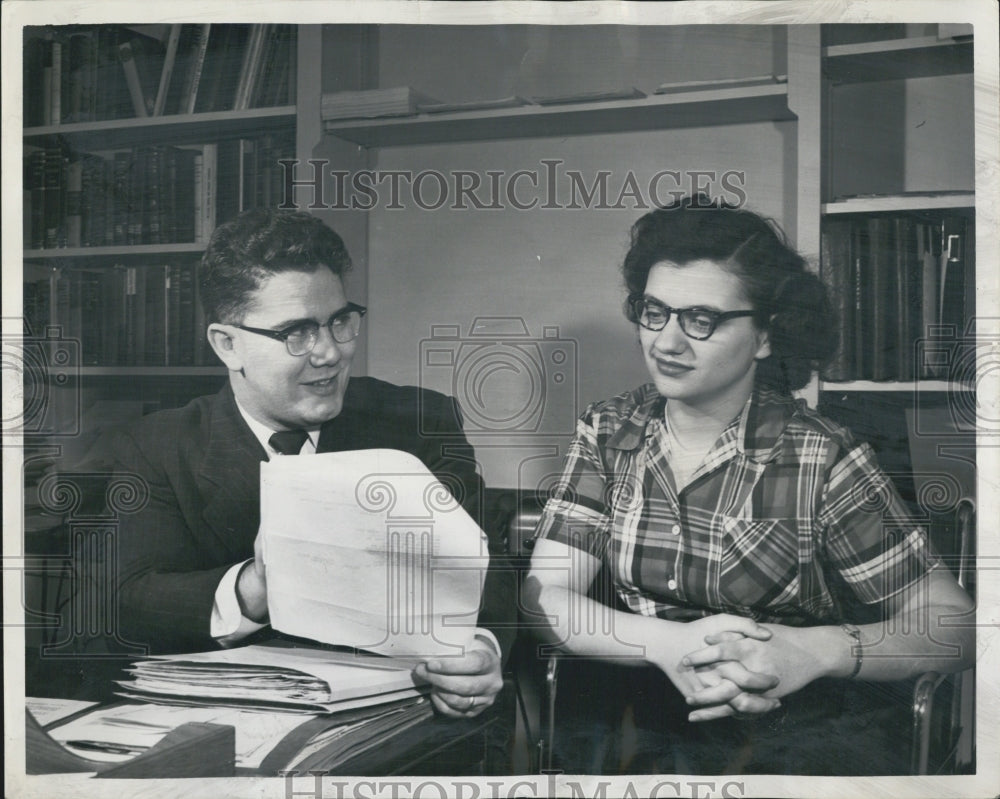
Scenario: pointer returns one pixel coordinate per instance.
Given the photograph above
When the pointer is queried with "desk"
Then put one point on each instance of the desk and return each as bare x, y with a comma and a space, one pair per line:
433, 746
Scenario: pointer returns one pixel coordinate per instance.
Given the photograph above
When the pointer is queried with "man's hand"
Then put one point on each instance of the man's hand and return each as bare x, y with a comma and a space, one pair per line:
464, 686
251, 587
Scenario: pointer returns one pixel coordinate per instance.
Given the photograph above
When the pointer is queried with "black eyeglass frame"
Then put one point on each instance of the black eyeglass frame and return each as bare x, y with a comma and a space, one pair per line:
282, 335
634, 313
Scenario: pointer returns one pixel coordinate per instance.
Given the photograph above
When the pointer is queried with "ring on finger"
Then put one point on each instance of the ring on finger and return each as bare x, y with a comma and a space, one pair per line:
472, 703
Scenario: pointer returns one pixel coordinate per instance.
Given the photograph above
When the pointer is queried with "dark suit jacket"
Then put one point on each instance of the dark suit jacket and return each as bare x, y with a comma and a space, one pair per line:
201, 464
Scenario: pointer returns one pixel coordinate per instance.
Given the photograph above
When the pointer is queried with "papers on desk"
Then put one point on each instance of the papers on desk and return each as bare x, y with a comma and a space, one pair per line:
268, 677
368, 549
265, 741
139, 727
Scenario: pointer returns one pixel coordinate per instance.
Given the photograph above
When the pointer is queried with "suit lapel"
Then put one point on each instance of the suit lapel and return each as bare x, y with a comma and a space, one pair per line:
231, 470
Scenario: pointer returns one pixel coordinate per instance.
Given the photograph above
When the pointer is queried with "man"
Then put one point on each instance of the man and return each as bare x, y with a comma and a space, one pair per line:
191, 575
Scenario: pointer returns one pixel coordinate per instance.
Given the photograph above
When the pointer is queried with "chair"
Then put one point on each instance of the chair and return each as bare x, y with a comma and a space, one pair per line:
946, 736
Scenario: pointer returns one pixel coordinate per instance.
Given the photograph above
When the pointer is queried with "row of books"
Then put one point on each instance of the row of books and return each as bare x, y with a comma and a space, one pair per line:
897, 281
89, 73
123, 315
156, 194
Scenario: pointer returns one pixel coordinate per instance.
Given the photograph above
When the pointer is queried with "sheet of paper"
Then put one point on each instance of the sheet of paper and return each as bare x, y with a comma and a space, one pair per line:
48, 709
368, 549
143, 725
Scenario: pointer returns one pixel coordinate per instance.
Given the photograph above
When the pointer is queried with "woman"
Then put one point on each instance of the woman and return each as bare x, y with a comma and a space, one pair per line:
759, 558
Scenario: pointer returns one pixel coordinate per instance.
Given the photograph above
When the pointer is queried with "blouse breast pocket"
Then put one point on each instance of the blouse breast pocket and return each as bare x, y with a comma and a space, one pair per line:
760, 563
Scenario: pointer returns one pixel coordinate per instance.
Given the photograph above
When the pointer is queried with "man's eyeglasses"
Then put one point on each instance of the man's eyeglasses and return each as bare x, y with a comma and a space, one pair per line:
697, 323
301, 338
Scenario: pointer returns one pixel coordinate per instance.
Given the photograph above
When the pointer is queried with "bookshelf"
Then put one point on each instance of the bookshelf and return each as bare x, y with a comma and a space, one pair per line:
907, 207
138, 142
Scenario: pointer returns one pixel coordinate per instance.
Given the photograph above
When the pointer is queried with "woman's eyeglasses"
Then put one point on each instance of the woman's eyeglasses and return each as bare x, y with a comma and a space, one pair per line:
301, 338
697, 323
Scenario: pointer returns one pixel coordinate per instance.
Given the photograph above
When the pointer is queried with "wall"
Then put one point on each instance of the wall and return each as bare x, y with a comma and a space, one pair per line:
553, 270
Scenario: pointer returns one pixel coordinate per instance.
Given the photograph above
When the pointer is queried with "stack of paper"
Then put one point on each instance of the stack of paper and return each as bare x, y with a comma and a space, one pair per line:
372, 103
306, 680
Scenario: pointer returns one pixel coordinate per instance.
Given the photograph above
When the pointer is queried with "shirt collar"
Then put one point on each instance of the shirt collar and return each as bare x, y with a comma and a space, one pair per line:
756, 433
263, 433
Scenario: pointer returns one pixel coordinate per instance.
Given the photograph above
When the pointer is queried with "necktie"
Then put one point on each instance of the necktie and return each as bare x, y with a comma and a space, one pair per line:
288, 442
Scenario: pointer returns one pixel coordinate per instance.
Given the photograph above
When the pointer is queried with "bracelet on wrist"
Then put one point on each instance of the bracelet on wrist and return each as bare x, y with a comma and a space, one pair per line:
855, 635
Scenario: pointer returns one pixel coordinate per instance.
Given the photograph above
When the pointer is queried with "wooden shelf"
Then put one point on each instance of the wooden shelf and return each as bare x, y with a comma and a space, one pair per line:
122, 252
684, 109
113, 134
895, 59
873, 385
900, 202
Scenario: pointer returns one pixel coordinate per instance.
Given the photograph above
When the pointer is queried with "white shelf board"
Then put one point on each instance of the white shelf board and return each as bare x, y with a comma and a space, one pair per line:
125, 251
896, 59
899, 202
768, 102
111, 134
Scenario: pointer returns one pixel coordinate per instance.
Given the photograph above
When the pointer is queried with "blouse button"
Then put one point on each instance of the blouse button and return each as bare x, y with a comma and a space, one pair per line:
672, 585
676, 529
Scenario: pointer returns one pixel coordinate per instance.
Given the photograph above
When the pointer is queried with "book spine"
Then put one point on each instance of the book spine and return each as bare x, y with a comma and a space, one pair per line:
209, 190
861, 296
54, 182
90, 311
55, 100
241, 98
188, 334
198, 195
837, 265
155, 320
908, 300
74, 203
166, 73
882, 300
132, 79
189, 95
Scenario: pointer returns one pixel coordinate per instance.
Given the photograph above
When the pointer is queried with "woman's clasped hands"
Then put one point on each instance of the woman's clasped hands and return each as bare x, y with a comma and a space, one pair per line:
737, 667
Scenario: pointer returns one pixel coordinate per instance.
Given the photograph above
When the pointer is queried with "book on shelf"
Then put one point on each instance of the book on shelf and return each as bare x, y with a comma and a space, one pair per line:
837, 272
141, 64
902, 286
87, 73
879, 325
250, 69
394, 101
167, 70
153, 194
183, 93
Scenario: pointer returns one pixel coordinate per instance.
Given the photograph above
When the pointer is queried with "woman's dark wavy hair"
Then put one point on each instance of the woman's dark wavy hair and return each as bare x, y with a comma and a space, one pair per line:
260, 243
791, 303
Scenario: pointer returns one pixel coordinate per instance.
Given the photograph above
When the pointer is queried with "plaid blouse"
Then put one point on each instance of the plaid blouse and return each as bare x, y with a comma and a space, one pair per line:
787, 520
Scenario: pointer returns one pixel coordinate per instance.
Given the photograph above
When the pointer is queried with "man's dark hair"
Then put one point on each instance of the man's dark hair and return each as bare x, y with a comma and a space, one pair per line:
260, 243
791, 303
